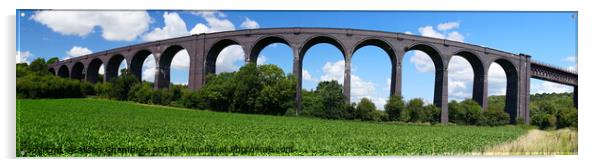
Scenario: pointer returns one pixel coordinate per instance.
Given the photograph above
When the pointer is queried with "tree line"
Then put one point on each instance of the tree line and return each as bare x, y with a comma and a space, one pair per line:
265, 89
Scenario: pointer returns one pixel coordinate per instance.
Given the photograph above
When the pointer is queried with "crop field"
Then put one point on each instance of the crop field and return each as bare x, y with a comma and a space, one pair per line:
95, 127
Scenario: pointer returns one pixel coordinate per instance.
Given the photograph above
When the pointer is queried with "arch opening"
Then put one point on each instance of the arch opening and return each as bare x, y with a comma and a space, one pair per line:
63, 71
503, 88
114, 67
422, 59
266, 47
466, 78
368, 77
93, 71
77, 71
224, 56
177, 58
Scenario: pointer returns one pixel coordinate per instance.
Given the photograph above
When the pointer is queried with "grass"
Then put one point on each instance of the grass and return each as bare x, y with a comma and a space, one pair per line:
96, 127
539, 142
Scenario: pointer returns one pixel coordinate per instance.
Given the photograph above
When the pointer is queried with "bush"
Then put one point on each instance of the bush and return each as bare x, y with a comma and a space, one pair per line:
567, 117
120, 86
394, 108
495, 118
47, 86
434, 112
467, 112
103, 89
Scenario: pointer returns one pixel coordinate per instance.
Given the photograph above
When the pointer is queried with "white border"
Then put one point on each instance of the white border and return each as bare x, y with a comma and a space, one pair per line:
588, 35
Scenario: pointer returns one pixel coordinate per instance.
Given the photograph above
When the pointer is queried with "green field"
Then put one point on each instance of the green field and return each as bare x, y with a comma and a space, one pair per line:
94, 127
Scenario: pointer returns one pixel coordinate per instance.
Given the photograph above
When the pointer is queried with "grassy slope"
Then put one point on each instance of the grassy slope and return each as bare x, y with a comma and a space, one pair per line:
539, 142
93, 127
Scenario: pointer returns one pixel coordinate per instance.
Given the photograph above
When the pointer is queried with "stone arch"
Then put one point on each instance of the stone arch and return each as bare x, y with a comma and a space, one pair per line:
318, 40
164, 64
387, 48
479, 76
92, 71
264, 42
138, 61
77, 71
511, 106
63, 71
112, 68
214, 51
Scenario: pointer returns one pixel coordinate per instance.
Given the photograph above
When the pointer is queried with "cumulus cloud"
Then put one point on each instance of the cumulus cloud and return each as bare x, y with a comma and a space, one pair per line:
306, 76
23, 57
333, 71
148, 69
228, 59
249, 24
448, 26
174, 27
115, 25
77, 51
216, 22
496, 80
181, 60
551, 87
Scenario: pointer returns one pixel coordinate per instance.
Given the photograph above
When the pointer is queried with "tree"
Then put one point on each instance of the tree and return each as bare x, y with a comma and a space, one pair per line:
332, 99
39, 66
121, 85
416, 111
364, 108
52, 60
394, 107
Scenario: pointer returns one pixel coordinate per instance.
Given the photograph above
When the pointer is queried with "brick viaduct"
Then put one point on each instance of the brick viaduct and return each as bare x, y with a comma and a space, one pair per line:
204, 49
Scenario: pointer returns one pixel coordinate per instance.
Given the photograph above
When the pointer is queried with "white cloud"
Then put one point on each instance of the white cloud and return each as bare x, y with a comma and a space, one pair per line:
216, 22
174, 27
422, 62
115, 25
148, 69
455, 36
428, 31
77, 51
228, 58
181, 60
249, 24
448, 26
261, 60
496, 80
333, 71
199, 29
408, 32
306, 76
101, 69
23, 57
551, 87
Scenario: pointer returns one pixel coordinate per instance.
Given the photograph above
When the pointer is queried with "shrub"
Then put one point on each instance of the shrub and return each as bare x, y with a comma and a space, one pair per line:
120, 86
394, 108
495, 118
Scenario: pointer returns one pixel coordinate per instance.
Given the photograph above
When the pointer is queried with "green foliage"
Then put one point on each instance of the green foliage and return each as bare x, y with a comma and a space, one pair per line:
394, 108
56, 127
495, 118
467, 112
120, 86
52, 60
367, 111
327, 101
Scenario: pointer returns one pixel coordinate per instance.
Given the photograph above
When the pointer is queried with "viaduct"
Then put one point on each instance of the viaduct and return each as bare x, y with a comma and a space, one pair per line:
204, 49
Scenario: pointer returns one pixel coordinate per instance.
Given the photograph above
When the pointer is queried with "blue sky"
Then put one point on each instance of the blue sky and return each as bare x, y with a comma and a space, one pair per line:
549, 37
